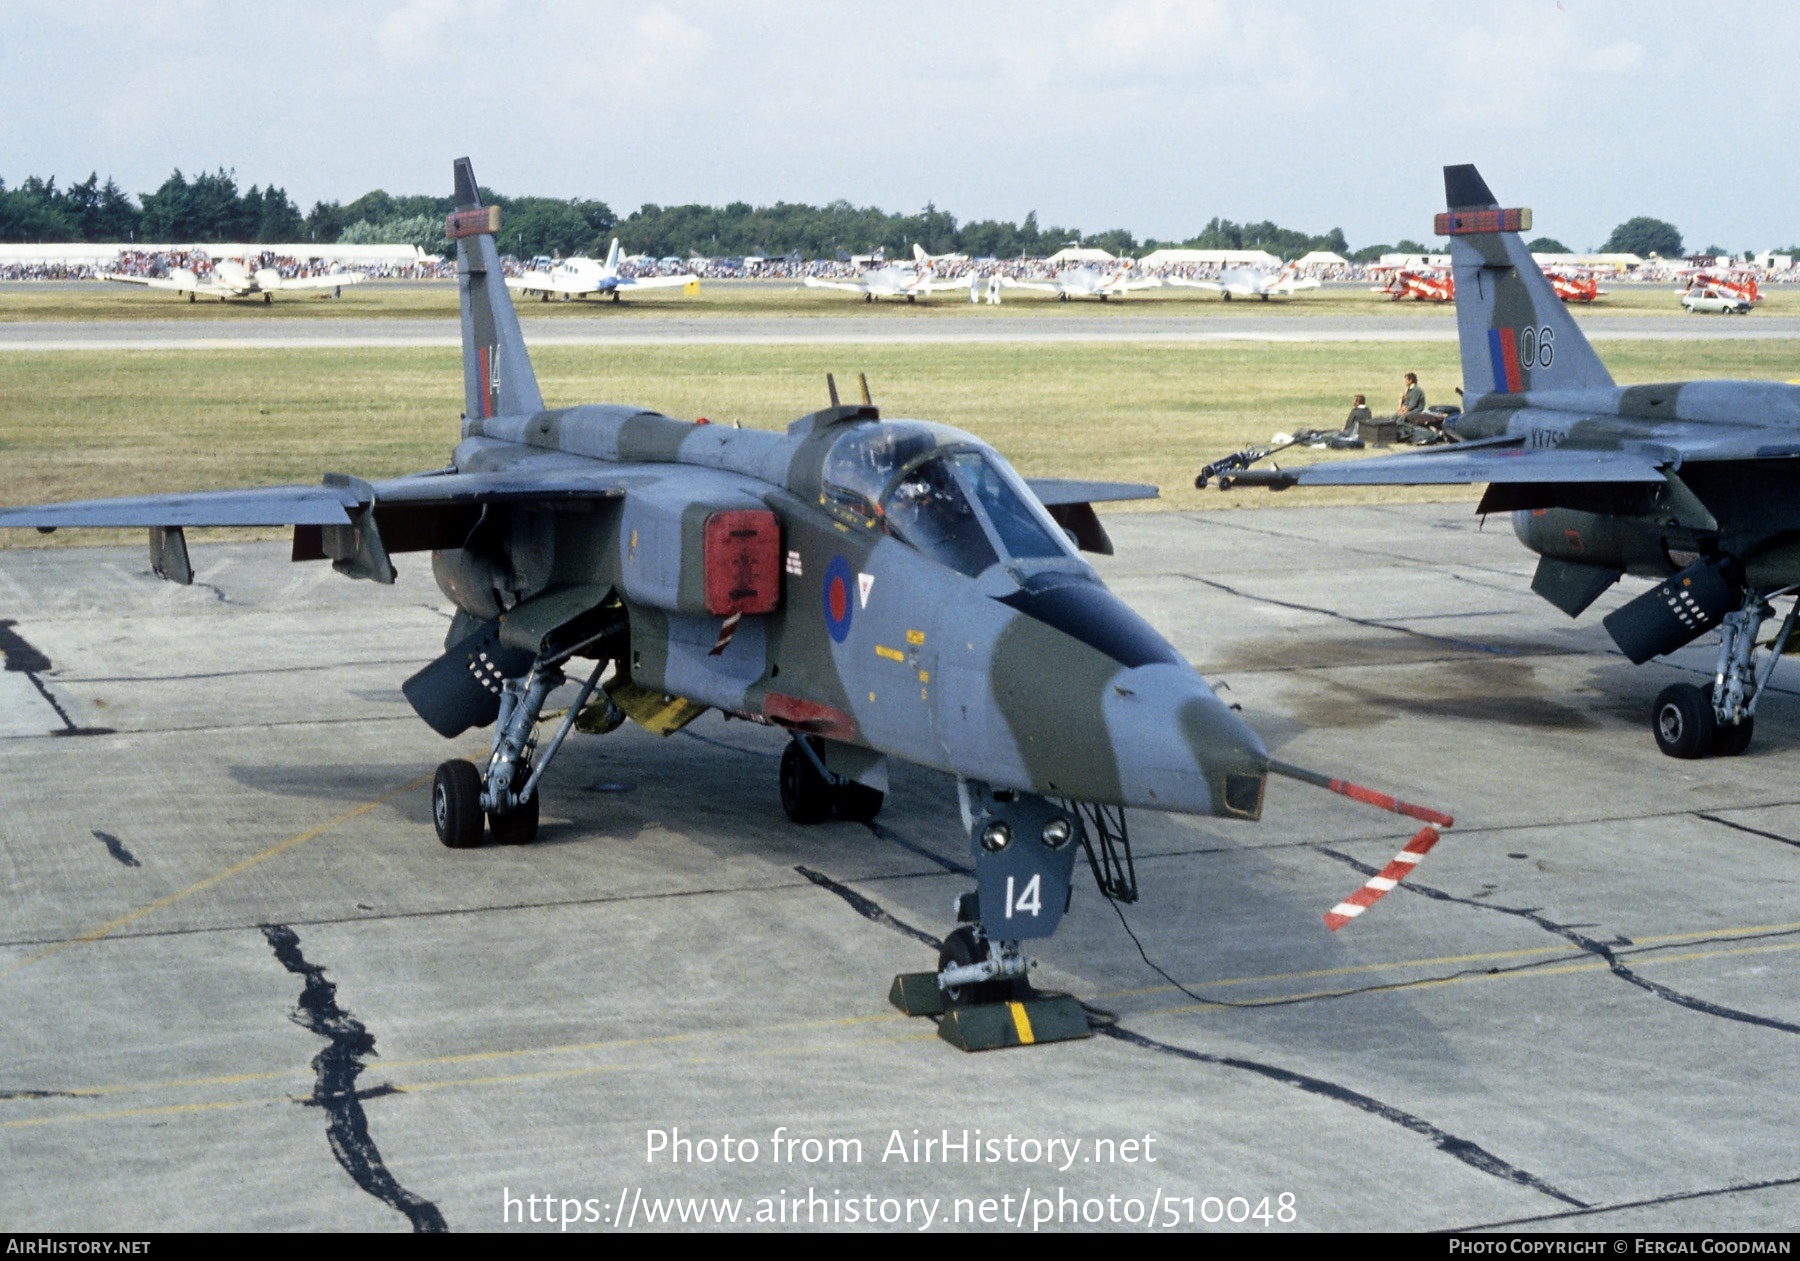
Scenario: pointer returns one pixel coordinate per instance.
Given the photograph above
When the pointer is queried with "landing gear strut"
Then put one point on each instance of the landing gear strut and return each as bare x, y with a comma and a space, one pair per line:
1024, 848
1691, 722
507, 794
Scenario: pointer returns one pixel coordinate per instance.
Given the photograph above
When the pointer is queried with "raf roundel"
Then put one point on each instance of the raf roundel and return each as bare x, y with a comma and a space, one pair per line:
840, 603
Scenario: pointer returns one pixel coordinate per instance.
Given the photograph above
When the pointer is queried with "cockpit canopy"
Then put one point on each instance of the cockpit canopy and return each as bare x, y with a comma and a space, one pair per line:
940, 491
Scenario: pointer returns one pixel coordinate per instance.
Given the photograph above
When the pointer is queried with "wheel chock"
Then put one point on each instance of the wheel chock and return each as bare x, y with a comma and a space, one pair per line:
991, 1026
917, 994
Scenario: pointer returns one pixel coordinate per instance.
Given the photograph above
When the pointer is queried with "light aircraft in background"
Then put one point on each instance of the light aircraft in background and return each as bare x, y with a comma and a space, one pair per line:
579, 277
1421, 284
911, 281
1250, 282
233, 278
1088, 282
1579, 284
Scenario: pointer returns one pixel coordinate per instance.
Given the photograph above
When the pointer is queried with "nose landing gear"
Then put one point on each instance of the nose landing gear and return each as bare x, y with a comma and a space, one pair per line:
1024, 847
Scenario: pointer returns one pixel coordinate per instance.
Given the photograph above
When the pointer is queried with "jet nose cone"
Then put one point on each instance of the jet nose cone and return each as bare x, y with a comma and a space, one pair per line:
1180, 748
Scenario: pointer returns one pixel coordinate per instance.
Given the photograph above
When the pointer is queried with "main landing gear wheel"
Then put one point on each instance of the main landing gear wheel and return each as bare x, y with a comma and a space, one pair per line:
1683, 721
456, 804
806, 795
965, 946
518, 826
858, 803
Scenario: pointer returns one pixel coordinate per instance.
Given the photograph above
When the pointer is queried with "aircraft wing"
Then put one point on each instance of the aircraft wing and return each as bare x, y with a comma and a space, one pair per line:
1507, 465
329, 281
1055, 492
532, 282
1042, 286
333, 503
848, 286
1125, 286
688, 281
187, 285
1071, 504
1182, 282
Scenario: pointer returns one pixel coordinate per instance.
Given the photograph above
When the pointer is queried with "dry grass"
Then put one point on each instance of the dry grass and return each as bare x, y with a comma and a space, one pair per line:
92, 424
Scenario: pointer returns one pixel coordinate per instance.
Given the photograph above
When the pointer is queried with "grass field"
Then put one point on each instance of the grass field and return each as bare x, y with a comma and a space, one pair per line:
91, 424
24, 302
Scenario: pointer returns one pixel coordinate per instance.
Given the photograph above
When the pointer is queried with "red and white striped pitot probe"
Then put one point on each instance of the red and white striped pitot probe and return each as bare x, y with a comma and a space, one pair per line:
1377, 885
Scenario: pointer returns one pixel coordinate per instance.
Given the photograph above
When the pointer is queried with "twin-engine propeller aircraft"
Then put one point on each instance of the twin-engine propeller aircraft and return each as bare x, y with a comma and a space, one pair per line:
1696, 483
231, 278
877, 588
911, 281
1088, 282
1250, 282
579, 277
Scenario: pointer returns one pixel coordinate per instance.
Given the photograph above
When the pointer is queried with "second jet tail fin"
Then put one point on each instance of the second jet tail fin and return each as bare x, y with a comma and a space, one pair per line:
497, 376
1516, 334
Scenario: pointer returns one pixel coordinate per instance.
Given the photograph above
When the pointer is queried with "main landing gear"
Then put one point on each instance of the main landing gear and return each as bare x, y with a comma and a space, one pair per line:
810, 793
506, 796
1719, 718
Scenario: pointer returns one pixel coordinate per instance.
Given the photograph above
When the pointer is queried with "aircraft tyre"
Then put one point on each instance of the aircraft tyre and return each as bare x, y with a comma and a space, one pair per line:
858, 803
1729, 741
964, 946
268, 298
518, 826
456, 804
805, 794
1682, 721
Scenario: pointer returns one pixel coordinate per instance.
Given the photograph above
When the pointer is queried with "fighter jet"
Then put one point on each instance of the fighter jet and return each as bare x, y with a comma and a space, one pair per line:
1087, 282
578, 277
1249, 282
911, 281
1694, 483
231, 278
877, 588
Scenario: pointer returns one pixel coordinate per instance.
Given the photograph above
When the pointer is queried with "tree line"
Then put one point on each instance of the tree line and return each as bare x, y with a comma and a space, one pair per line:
209, 207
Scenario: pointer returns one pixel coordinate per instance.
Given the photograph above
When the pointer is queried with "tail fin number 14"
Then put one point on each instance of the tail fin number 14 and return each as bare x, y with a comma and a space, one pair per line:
1026, 901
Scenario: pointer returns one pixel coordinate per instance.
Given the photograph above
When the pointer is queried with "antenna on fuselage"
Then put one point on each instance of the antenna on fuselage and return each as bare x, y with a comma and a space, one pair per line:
831, 385
864, 378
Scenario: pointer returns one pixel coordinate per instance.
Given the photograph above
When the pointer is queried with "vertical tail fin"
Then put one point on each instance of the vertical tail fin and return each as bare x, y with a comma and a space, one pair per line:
1516, 334
612, 256
497, 376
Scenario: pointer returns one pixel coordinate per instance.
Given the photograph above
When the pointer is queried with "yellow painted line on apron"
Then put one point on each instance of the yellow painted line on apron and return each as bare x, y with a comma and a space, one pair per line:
112, 926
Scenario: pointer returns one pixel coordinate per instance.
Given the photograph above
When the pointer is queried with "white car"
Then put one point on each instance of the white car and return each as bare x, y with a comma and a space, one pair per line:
1710, 300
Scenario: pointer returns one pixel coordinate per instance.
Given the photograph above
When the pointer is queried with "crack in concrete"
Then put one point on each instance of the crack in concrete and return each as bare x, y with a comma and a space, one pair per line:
1599, 949
1461, 1149
116, 848
337, 1067
1741, 827
868, 908
1591, 1210
1467, 644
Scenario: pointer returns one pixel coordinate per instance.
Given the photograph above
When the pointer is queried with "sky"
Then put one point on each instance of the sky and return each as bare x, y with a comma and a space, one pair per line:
1152, 115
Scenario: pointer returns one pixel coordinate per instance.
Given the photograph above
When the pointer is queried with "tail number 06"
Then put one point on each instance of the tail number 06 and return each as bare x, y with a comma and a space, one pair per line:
1027, 901
1537, 347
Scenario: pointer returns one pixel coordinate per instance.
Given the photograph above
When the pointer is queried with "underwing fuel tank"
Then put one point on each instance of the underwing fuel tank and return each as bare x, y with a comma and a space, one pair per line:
1585, 538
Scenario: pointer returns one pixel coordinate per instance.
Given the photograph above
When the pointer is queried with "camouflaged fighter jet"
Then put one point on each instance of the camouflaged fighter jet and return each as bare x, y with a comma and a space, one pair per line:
877, 588
1696, 483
